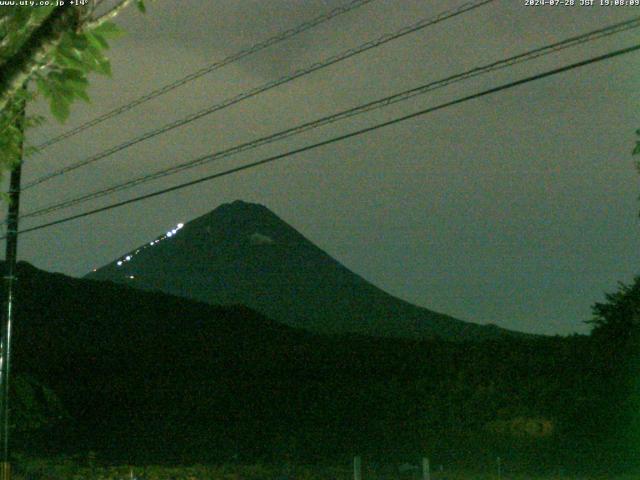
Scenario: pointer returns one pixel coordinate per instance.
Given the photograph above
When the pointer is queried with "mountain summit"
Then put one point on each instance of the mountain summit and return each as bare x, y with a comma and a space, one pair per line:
242, 253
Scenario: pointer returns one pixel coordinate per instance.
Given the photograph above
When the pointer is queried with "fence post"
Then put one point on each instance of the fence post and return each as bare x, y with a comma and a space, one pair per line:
426, 470
499, 468
357, 468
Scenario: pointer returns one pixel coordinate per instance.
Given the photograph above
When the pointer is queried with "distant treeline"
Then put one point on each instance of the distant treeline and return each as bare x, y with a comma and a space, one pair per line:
146, 377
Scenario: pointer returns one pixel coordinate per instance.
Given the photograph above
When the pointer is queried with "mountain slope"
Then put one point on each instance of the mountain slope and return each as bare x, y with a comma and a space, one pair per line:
131, 366
242, 253
150, 377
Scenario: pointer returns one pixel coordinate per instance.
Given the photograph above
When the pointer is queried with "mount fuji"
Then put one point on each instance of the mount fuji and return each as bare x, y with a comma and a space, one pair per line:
243, 253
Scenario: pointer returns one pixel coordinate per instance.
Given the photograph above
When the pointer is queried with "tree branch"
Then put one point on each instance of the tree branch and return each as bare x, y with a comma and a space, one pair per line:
17, 69
17, 37
109, 14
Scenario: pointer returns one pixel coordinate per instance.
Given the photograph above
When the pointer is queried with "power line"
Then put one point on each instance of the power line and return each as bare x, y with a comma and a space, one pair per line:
338, 138
263, 88
284, 35
380, 103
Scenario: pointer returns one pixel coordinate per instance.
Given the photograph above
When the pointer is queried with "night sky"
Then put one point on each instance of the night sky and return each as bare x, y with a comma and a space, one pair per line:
519, 209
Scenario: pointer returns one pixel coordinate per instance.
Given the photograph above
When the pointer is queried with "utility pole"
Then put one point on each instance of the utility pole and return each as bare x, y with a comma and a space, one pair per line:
9, 284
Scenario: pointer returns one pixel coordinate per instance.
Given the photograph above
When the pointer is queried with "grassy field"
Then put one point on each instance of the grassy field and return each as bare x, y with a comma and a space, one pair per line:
69, 469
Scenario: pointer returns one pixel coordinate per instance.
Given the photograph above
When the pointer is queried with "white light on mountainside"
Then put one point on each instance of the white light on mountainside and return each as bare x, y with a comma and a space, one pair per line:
170, 233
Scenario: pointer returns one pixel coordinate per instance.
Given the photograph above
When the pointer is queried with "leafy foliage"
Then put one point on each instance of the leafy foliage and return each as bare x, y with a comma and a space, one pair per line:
636, 150
131, 365
616, 341
141, 6
618, 318
16, 24
11, 130
77, 55
61, 71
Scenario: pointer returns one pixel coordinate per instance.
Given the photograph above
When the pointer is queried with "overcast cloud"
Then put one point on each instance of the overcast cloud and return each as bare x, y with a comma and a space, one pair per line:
518, 209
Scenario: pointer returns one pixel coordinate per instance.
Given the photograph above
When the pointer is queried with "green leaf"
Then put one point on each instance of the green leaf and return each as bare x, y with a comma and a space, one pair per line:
97, 40
636, 150
77, 85
108, 30
83, 96
62, 91
141, 6
43, 86
73, 74
59, 108
65, 41
79, 41
93, 57
34, 121
29, 151
104, 67
71, 57
55, 76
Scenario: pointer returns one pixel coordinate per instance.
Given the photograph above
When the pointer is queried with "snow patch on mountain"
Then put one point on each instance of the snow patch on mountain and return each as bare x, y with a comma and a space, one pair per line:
260, 239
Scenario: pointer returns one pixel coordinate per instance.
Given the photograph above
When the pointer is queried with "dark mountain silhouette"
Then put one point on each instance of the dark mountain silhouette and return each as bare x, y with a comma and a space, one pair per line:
150, 377
242, 253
